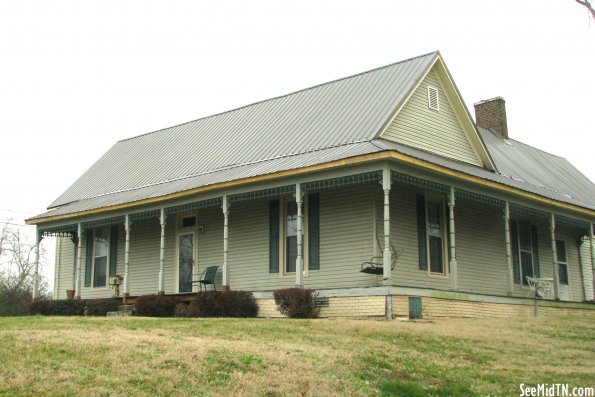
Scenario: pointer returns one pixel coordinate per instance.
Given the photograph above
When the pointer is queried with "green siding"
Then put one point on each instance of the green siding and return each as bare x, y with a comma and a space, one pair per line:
435, 131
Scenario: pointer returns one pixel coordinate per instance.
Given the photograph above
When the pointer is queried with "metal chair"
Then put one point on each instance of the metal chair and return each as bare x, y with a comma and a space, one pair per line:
375, 264
539, 288
208, 277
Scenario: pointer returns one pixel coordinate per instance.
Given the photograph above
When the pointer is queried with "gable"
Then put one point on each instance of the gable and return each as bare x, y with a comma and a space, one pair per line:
436, 131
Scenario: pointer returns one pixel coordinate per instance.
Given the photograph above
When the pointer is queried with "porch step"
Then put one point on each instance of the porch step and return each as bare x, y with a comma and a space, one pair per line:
123, 311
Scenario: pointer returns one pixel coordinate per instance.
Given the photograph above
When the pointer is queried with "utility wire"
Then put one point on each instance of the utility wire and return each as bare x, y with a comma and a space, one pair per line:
15, 224
18, 212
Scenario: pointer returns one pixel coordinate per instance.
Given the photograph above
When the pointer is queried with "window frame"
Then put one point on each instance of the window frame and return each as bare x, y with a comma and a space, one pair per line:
282, 234
523, 278
108, 258
435, 198
563, 263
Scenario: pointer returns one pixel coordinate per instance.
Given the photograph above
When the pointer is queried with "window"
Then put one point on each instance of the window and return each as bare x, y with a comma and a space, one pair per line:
431, 234
283, 234
525, 254
188, 221
562, 262
100, 256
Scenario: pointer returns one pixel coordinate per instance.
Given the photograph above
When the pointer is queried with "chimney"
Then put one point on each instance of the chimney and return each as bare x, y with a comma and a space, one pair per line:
491, 114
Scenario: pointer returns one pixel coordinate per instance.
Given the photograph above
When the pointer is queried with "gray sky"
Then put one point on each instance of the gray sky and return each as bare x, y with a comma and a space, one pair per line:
76, 76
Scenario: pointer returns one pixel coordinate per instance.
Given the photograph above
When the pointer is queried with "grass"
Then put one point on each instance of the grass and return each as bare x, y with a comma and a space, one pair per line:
58, 356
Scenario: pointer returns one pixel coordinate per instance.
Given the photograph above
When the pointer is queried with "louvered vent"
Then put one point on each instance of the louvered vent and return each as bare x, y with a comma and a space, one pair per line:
433, 98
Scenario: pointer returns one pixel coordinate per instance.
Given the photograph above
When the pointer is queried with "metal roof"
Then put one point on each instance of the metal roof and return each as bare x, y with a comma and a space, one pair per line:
328, 122
338, 113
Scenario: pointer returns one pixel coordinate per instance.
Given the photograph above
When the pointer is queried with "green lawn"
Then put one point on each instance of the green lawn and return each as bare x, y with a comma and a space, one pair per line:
278, 357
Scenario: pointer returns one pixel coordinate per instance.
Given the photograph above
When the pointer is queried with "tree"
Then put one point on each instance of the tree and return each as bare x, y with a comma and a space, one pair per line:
589, 5
17, 272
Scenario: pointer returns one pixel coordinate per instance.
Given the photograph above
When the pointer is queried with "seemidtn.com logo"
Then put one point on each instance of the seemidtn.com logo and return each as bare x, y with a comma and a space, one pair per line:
555, 390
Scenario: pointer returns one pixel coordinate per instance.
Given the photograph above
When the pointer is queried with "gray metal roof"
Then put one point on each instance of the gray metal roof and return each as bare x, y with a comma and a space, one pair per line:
338, 113
328, 122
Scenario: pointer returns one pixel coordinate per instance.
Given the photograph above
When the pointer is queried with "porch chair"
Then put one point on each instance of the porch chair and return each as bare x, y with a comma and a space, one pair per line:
374, 265
207, 277
540, 288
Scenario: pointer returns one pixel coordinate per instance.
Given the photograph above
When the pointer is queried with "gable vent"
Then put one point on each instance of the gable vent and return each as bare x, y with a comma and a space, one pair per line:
433, 98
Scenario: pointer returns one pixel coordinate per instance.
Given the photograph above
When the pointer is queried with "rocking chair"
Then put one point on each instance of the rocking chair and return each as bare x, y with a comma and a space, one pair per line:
375, 264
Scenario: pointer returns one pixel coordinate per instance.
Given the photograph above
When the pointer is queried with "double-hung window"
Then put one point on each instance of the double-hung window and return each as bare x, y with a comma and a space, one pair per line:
431, 227
100, 264
562, 262
525, 254
283, 248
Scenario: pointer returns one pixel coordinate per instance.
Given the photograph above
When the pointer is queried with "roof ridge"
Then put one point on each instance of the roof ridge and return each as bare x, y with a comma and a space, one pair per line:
281, 96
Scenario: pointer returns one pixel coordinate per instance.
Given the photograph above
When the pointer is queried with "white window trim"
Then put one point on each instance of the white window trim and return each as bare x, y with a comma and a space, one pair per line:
437, 198
282, 230
109, 247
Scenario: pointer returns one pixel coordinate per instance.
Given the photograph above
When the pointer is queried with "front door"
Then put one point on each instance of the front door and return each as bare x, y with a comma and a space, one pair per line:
185, 262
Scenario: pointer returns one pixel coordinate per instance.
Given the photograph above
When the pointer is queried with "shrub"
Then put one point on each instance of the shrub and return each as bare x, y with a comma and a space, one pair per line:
100, 307
67, 307
155, 305
223, 304
181, 310
297, 302
40, 306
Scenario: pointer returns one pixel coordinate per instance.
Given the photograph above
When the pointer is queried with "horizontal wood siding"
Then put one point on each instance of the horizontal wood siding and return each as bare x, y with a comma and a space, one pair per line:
143, 269
435, 131
480, 248
210, 241
66, 266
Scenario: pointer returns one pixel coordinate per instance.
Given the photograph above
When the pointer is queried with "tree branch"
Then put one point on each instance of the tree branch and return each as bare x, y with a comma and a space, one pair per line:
589, 6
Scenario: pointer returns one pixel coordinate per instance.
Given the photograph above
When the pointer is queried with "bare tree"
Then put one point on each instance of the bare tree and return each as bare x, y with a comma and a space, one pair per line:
589, 5
17, 271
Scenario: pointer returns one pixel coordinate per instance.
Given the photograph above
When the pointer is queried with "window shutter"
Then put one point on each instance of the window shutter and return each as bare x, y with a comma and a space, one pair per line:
421, 232
514, 236
113, 250
313, 231
274, 236
89, 258
534, 240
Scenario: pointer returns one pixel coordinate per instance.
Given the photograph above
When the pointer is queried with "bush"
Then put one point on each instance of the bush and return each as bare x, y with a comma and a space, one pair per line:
223, 304
297, 302
67, 307
40, 306
155, 305
181, 310
100, 307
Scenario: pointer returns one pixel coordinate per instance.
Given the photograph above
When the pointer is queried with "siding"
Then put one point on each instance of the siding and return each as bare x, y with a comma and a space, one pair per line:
67, 263
435, 131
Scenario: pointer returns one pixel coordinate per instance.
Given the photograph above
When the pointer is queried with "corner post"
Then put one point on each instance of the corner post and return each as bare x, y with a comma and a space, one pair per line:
126, 255
225, 208
162, 221
454, 275
36, 264
554, 256
79, 250
299, 260
509, 272
386, 255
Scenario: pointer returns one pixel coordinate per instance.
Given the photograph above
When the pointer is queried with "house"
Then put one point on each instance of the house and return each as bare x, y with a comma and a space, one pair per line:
384, 171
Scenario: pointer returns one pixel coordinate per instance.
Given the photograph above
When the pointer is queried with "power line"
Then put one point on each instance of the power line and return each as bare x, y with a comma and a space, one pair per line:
18, 212
15, 224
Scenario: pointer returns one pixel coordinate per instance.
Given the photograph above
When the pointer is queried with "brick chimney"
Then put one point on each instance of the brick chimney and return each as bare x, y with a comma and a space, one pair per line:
491, 114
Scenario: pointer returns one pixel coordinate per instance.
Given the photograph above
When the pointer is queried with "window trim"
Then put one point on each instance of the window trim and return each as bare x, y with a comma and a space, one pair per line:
282, 241
107, 263
445, 274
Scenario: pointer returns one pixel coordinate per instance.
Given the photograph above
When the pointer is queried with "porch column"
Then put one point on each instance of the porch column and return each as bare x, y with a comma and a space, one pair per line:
454, 275
162, 220
36, 264
386, 255
79, 250
225, 240
509, 272
299, 260
126, 255
592, 246
554, 255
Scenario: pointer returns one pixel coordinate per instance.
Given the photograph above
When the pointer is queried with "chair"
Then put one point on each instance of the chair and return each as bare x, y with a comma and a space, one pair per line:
374, 265
208, 277
539, 288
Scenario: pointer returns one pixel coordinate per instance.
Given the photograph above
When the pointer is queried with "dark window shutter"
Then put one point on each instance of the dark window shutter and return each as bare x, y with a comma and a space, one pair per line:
514, 237
113, 251
313, 231
274, 236
89, 258
421, 232
534, 241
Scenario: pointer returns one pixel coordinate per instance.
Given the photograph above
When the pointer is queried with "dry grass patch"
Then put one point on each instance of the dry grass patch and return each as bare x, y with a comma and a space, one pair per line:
246, 357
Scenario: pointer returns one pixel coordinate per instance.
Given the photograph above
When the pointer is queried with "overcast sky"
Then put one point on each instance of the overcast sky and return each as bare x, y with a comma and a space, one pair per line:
76, 76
